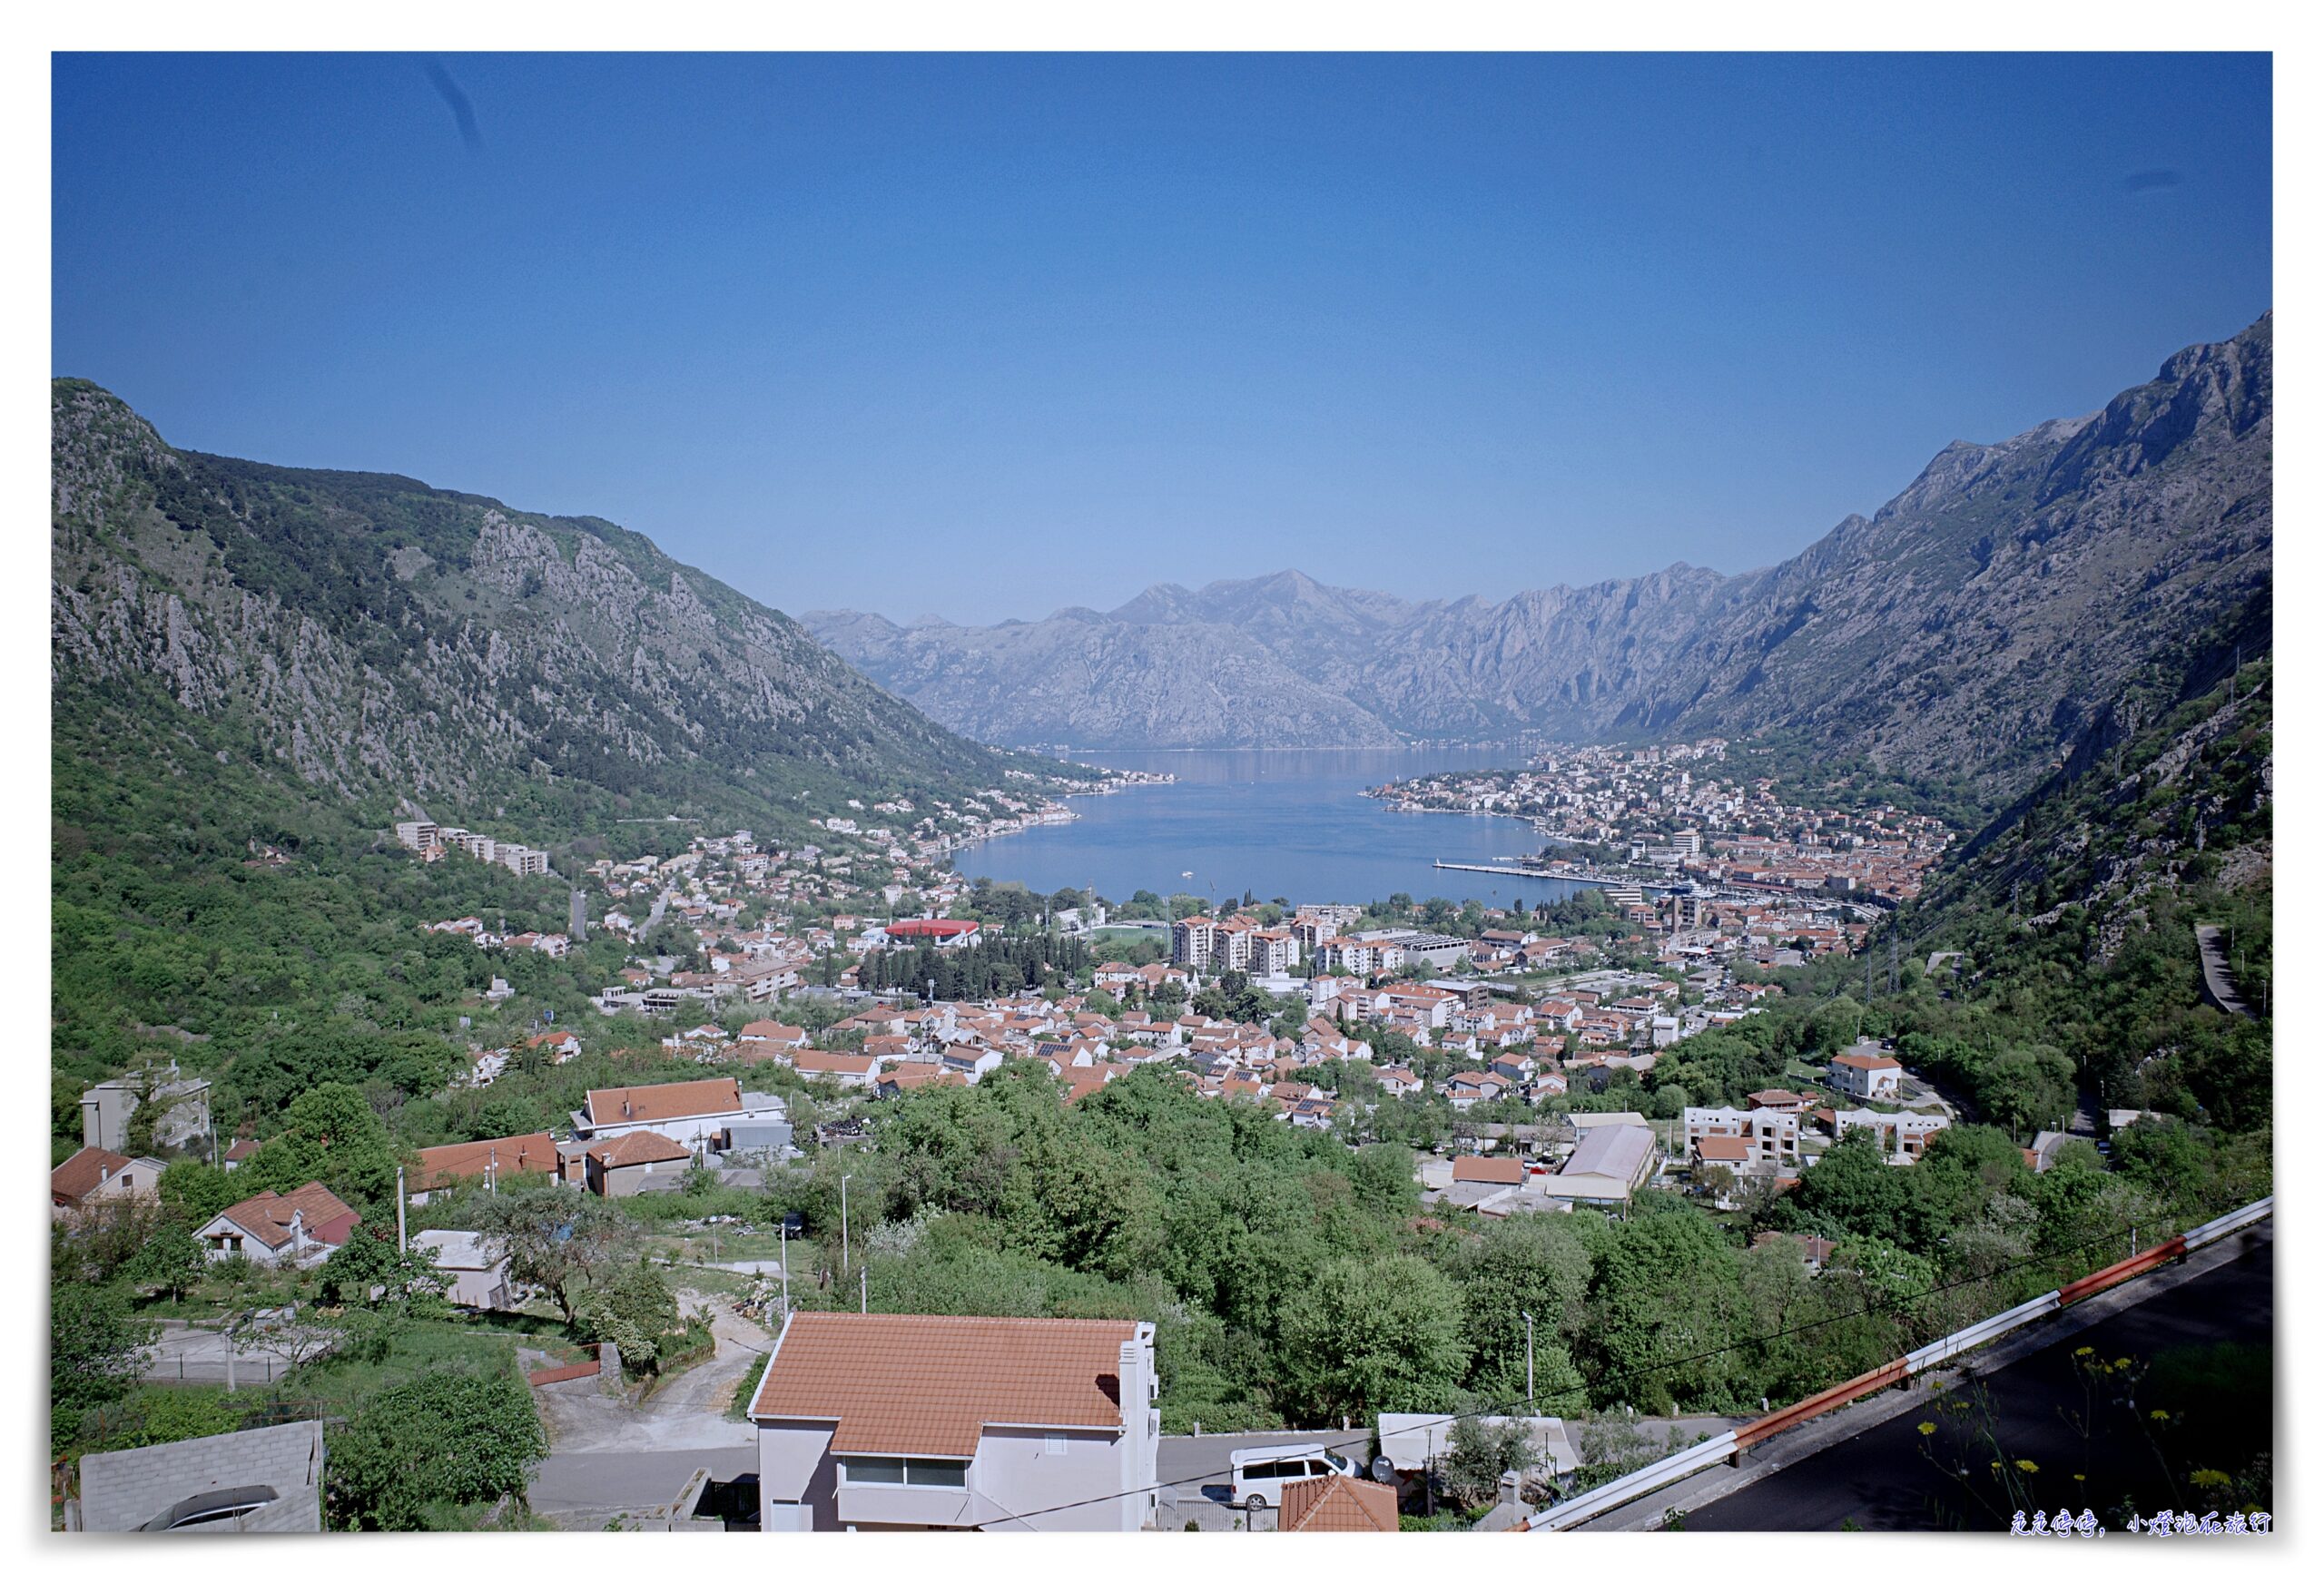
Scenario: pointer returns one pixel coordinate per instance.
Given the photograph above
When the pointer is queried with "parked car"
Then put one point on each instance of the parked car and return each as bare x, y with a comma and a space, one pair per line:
1260, 1472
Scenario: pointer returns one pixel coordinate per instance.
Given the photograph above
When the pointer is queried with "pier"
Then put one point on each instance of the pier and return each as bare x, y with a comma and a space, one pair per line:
1568, 876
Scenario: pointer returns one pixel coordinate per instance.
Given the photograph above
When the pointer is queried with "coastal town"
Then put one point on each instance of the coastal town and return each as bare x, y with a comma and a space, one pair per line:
1681, 814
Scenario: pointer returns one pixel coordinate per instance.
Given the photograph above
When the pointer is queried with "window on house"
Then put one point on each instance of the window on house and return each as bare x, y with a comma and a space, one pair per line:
919, 1473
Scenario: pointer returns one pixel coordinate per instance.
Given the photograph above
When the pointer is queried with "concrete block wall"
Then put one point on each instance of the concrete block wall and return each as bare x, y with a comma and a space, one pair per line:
122, 1490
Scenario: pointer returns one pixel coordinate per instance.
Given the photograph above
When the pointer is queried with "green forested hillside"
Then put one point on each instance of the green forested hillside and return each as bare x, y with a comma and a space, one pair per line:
256, 670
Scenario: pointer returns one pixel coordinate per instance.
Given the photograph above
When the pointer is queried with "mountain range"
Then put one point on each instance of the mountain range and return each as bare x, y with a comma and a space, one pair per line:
1975, 628
366, 640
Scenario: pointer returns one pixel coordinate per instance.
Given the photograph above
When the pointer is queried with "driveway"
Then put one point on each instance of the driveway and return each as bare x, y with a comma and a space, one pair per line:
609, 1456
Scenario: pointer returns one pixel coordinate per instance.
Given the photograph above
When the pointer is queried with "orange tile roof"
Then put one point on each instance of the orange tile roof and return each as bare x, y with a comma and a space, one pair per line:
79, 1177
532, 1151
267, 1217
1477, 1168
921, 1384
1717, 1148
664, 1101
636, 1148
1337, 1503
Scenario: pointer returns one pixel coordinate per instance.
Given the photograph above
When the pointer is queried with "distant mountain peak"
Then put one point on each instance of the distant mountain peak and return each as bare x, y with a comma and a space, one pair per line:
1984, 614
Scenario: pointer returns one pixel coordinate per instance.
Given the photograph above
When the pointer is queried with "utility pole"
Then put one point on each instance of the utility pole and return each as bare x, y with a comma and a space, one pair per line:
403, 1242
1528, 1364
785, 1228
863, 1305
843, 1224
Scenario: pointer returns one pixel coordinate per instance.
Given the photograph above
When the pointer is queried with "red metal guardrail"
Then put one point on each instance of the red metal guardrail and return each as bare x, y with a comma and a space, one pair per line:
2114, 1274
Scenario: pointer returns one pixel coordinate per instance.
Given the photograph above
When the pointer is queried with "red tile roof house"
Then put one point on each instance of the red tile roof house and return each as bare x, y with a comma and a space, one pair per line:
871, 1422
695, 1115
93, 1176
617, 1168
847, 1070
1864, 1073
296, 1229
488, 1161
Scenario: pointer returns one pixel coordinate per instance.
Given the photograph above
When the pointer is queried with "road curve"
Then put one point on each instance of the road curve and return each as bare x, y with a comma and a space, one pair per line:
2218, 984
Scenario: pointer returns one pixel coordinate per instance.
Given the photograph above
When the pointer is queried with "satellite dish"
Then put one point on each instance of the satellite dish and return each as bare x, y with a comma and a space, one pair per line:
1383, 1471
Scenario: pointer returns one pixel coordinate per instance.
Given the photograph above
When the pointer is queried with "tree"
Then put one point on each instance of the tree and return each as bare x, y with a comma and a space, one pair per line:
1855, 1190
368, 1271
1383, 1175
1377, 1335
451, 1435
1480, 1453
1666, 1299
633, 1308
332, 1135
198, 1191
556, 1239
97, 1350
297, 1334
171, 1261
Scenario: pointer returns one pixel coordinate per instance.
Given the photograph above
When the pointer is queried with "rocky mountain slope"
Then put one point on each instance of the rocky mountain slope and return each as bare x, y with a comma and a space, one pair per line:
367, 638
1978, 625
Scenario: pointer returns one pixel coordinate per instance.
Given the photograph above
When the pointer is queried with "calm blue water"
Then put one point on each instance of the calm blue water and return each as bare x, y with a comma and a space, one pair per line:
1288, 824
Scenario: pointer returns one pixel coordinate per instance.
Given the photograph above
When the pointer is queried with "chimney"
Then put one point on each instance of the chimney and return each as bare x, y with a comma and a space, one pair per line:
1513, 1490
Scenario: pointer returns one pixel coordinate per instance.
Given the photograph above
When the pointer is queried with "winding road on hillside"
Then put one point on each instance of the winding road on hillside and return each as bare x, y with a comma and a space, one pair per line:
2218, 984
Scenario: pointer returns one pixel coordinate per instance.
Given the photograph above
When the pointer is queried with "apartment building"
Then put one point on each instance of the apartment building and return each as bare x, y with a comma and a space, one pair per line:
1771, 1138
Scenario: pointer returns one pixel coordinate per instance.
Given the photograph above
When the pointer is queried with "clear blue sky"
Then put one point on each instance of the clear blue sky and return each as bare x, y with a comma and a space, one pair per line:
987, 335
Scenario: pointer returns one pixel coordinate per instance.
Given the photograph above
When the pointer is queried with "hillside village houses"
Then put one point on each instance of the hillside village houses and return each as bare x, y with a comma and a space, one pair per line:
1490, 1039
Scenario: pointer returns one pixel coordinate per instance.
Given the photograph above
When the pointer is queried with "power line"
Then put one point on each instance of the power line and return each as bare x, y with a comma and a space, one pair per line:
1648, 1371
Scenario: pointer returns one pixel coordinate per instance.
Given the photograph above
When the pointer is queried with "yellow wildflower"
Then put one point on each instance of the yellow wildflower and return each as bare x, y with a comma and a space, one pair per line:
1929, 1428
2025, 1467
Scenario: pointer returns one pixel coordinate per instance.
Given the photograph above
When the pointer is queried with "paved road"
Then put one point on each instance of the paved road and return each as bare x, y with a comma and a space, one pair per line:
1195, 1468
1884, 1478
606, 1455
2218, 984
583, 1489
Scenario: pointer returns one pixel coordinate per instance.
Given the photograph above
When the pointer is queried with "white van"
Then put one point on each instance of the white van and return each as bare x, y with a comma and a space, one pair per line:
1260, 1472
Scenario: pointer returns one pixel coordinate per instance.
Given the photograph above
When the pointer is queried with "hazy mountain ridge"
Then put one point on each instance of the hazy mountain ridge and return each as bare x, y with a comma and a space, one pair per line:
1981, 621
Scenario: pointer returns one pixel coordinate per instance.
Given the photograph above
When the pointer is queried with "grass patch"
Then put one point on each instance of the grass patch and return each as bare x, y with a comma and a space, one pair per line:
338, 1384
747, 1387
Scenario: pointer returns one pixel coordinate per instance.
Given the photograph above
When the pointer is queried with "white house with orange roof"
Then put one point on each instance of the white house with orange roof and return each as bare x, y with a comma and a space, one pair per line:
1863, 1071
699, 1114
901, 1422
